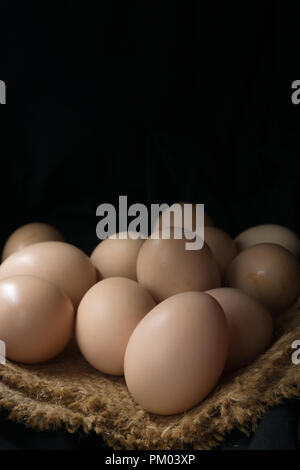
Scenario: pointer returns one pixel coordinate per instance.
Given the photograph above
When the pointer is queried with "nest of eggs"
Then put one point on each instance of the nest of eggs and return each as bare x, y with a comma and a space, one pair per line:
70, 390
69, 393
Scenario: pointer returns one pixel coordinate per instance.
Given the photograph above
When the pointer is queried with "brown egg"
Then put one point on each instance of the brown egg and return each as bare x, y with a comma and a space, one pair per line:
165, 267
269, 233
177, 353
36, 319
61, 263
117, 257
28, 235
269, 273
222, 246
168, 215
250, 326
106, 317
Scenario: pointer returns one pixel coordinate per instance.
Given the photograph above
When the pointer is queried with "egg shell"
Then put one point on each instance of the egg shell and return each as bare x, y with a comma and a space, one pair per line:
36, 319
106, 317
165, 267
61, 263
222, 246
168, 214
250, 326
269, 233
30, 234
177, 353
117, 257
269, 273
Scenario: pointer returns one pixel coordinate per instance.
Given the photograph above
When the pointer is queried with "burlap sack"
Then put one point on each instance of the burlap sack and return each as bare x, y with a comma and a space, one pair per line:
67, 392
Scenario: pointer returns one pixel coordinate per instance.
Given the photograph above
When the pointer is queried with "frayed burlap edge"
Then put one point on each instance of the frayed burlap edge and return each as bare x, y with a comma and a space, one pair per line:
68, 393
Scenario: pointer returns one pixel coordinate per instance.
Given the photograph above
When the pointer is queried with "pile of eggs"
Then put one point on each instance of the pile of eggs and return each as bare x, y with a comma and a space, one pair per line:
172, 321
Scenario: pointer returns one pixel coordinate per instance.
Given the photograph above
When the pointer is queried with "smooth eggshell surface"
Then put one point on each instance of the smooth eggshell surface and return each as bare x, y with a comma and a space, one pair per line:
28, 235
106, 317
177, 353
250, 326
269, 233
222, 246
268, 272
115, 257
63, 264
165, 267
36, 319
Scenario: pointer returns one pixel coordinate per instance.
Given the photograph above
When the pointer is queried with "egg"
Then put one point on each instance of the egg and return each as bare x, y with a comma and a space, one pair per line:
222, 246
269, 273
106, 317
117, 256
28, 235
61, 263
165, 267
168, 214
250, 326
176, 354
269, 233
36, 319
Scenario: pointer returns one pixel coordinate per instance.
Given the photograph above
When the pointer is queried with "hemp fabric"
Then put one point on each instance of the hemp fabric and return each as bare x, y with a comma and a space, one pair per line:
68, 393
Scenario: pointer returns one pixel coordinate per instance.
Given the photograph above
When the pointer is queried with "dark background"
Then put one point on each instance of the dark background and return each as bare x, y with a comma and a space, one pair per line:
159, 101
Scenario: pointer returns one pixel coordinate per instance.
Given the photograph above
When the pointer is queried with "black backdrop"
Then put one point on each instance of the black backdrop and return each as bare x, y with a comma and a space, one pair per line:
159, 101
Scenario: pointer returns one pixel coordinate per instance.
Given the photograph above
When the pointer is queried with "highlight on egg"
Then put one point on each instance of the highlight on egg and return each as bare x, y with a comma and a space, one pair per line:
177, 353
61, 263
36, 319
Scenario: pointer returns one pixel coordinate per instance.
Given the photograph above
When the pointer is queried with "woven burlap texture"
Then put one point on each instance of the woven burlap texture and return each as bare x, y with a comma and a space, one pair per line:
68, 393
